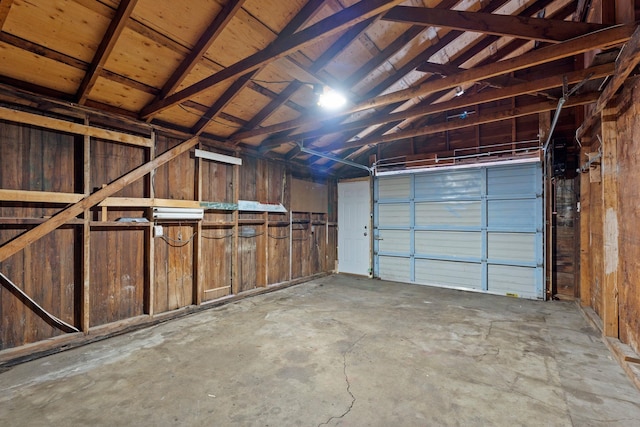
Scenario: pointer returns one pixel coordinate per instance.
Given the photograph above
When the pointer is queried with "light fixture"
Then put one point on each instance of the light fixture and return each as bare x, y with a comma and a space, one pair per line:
459, 91
178, 213
328, 98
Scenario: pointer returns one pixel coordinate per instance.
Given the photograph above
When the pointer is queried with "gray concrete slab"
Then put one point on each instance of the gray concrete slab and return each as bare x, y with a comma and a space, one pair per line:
337, 351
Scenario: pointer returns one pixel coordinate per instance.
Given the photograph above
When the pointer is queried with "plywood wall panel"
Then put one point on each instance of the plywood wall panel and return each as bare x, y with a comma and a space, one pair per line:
174, 267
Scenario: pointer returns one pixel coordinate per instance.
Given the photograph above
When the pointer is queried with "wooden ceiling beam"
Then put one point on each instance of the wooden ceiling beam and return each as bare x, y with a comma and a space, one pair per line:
115, 28
202, 45
474, 121
224, 100
612, 36
232, 91
325, 28
626, 62
549, 30
341, 44
275, 103
459, 102
461, 58
5, 7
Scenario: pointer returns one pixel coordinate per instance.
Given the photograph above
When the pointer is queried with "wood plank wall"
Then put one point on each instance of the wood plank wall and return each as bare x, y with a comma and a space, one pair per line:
628, 125
625, 298
131, 273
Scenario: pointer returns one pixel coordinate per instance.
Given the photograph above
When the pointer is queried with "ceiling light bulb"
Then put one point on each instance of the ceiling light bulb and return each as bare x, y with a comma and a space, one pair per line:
331, 99
459, 91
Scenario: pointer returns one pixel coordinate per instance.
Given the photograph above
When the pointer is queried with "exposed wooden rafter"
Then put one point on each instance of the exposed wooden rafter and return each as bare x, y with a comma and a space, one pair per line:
116, 26
325, 28
202, 45
476, 120
5, 7
548, 30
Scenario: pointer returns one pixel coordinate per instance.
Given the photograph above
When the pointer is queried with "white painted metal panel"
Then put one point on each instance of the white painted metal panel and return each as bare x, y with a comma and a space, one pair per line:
395, 268
396, 187
394, 214
395, 241
512, 280
453, 244
515, 247
448, 273
452, 184
510, 214
460, 213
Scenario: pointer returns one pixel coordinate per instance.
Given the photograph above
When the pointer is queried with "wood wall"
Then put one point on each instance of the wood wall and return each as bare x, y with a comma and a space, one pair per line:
610, 219
131, 274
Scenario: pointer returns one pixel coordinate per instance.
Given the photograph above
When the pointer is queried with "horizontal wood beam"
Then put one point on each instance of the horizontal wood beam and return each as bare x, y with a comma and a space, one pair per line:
325, 28
27, 196
626, 62
547, 30
612, 36
473, 121
13, 246
457, 102
26, 118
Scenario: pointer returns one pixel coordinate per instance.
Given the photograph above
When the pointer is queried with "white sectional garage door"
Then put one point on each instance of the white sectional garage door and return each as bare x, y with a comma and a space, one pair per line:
477, 228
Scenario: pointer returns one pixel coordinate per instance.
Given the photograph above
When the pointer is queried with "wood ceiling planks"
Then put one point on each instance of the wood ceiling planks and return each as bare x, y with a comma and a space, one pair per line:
178, 63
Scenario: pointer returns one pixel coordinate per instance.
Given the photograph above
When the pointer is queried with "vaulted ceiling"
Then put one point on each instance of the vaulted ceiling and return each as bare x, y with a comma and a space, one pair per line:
242, 72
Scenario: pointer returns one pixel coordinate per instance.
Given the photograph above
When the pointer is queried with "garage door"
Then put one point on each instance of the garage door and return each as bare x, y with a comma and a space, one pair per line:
477, 228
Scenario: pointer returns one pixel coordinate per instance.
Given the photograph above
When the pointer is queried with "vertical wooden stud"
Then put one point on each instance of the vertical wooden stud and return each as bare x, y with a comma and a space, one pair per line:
610, 223
585, 235
151, 248
235, 273
198, 286
86, 236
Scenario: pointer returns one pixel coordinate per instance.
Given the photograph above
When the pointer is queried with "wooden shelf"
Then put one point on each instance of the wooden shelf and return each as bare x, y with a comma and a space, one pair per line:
118, 224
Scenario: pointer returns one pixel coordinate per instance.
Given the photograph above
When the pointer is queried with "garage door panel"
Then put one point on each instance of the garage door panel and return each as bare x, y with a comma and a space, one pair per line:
394, 214
449, 273
516, 247
478, 228
511, 280
448, 184
449, 243
448, 214
512, 180
395, 268
397, 241
518, 214
397, 187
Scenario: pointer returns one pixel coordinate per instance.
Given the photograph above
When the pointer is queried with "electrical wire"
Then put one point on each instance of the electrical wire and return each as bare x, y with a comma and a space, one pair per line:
278, 237
217, 237
178, 243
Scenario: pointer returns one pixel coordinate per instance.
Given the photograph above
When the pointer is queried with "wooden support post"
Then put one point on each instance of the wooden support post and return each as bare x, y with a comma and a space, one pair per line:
86, 238
235, 273
76, 209
198, 286
262, 248
585, 234
610, 222
151, 246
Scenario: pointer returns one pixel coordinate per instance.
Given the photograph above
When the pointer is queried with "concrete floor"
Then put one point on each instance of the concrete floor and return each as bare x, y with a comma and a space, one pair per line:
337, 351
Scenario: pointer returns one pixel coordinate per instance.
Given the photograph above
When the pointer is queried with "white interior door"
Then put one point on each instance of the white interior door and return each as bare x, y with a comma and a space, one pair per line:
354, 227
